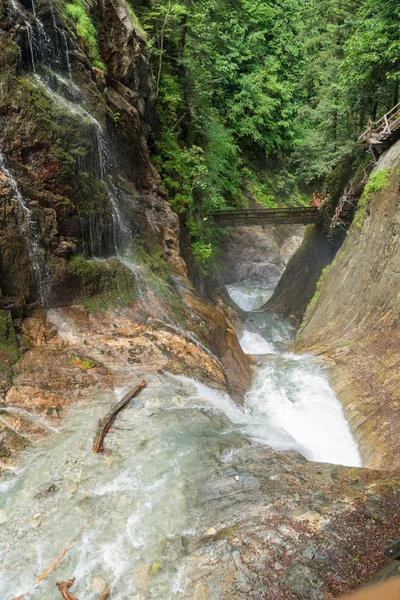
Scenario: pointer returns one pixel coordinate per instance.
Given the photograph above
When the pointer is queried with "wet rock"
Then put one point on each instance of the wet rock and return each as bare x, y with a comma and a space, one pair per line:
274, 545
263, 254
298, 283
355, 324
46, 490
98, 585
304, 582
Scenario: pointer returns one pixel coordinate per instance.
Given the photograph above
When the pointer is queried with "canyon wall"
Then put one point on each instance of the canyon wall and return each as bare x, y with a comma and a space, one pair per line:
77, 183
297, 284
354, 317
255, 257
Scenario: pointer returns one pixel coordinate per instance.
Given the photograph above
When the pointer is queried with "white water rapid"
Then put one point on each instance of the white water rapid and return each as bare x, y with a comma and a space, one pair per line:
250, 298
128, 514
290, 403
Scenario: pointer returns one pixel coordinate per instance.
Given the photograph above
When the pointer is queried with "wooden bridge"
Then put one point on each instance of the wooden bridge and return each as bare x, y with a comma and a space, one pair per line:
266, 216
381, 134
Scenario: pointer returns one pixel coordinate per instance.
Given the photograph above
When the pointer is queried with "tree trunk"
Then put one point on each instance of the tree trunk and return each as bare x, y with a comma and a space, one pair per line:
396, 94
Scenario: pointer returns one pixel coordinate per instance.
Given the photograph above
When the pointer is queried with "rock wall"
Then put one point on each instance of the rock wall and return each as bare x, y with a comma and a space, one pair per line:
299, 280
257, 258
355, 320
50, 145
288, 529
298, 284
75, 142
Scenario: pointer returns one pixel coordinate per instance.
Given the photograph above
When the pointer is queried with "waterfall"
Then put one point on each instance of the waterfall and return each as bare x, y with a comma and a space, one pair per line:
121, 233
31, 235
44, 49
44, 52
290, 404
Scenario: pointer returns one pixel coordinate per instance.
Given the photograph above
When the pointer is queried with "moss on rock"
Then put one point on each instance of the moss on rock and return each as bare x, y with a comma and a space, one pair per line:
9, 353
377, 182
103, 284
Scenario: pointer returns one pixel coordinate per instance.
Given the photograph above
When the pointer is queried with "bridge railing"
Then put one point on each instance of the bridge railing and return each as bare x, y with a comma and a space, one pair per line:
261, 216
383, 125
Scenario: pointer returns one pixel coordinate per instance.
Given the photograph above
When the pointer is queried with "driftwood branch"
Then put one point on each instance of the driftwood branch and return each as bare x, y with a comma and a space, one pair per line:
105, 423
64, 586
55, 563
61, 555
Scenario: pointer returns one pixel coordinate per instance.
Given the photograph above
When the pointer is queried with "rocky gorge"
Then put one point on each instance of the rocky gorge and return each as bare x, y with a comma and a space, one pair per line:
209, 487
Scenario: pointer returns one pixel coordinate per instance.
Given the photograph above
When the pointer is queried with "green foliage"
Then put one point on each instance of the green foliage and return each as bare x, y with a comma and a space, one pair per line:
80, 363
135, 20
85, 29
370, 70
315, 298
8, 342
352, 73
116, 117
202, 253
377, 182
258, 101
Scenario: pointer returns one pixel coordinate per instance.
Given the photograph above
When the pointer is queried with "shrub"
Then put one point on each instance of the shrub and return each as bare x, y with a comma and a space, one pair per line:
85, 29
377, 182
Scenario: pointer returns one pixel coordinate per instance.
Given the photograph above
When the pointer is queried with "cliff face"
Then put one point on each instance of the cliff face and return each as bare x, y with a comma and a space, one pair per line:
257, 258
297, 284
77, 183
53, 142
355, 319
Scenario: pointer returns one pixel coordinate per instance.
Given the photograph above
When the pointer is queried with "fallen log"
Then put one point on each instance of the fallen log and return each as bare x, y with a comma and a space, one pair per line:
105, 423
64, 586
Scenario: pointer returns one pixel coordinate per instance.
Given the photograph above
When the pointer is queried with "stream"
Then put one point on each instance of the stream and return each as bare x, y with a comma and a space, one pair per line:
126, 518
130, 514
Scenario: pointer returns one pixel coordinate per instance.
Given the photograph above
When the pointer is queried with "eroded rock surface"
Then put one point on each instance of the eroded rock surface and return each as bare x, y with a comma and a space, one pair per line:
254, 257
281, 528
355, 322
297, 284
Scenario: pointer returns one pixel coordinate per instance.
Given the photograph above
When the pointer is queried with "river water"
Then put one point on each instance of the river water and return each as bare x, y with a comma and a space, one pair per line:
250, 298
129, 511
128, 514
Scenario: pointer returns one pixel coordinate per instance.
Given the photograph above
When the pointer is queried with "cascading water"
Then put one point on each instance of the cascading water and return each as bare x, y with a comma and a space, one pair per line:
250, 298
134, 505
290, 404
29, 228
43, 50
126, 514
129, 514
121, 233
